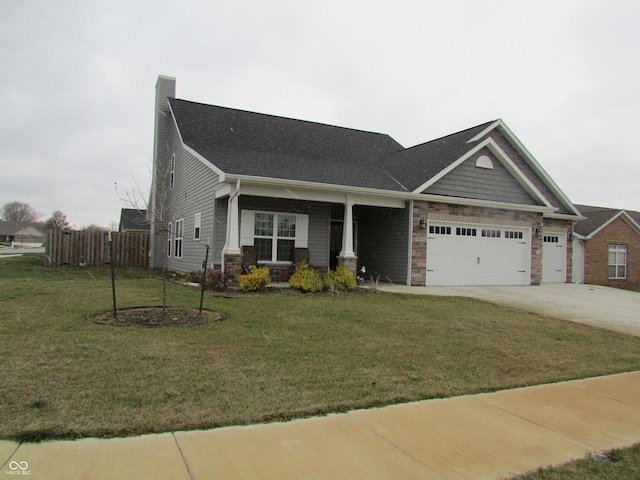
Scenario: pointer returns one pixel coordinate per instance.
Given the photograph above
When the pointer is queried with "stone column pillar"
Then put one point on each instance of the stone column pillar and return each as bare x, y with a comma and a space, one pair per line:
231, 252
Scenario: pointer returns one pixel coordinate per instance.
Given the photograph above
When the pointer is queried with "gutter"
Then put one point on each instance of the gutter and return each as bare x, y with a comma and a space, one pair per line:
372, 192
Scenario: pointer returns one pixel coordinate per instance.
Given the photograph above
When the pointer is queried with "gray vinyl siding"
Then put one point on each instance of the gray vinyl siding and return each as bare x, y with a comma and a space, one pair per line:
193, 192
528, 171
165, 87
219, 230
383, 242
319, 222
469, 181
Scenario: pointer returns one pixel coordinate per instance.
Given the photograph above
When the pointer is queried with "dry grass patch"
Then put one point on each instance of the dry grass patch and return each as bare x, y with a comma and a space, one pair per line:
275, 357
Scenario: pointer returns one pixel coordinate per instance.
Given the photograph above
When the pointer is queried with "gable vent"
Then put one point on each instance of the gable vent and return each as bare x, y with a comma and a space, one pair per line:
484, 162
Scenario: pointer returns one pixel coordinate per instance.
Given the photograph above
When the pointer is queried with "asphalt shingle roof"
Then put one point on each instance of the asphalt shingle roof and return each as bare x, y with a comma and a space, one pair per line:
239, 142
247, 143
133, 219
598, 216
414, 166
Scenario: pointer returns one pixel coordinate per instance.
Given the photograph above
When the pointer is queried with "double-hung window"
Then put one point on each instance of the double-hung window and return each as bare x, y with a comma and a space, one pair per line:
275, 235
617, 261
179, 227
169, 238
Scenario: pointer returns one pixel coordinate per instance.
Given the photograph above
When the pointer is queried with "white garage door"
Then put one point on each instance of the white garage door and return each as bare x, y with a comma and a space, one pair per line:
467, 254
554, 258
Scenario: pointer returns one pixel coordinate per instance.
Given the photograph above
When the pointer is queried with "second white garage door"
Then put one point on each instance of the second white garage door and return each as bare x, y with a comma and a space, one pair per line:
469, 254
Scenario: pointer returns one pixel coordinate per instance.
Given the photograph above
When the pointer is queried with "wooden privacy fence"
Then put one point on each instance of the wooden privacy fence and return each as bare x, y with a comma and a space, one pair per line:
91, 248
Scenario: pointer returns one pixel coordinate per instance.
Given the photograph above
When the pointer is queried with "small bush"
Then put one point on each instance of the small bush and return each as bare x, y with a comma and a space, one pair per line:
341, 280
257, 279
214, 280
306, 280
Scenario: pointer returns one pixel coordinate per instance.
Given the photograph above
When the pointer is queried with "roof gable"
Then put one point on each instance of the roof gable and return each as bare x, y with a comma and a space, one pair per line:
428, 163
598, 218
484, 175
11, 228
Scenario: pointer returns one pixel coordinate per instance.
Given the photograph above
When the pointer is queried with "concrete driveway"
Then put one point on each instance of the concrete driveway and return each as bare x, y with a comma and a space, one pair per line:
610, 308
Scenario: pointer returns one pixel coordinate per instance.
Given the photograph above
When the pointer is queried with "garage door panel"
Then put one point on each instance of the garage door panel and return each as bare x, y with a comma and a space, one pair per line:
554, 258
501, 257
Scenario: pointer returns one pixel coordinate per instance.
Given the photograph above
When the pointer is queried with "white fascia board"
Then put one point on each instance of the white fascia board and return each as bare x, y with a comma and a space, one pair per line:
486, 131
621, 214
321, 192
301, 190
483, 203
513, 168
449, 169
565, 216
533, 163
223, 192
195, 154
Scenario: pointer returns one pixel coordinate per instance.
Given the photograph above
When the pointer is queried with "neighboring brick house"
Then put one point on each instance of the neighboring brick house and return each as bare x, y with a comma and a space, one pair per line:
471, 208
607, 246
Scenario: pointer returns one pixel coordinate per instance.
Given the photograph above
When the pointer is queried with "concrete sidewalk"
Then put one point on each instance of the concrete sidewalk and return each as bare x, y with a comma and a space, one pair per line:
494, 435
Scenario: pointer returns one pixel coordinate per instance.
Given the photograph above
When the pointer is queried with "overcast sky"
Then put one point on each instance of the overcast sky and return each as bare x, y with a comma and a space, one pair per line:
78, 79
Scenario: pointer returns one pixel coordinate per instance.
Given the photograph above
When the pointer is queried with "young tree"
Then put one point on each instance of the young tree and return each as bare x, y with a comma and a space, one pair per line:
58, 221
19, 212
157, 214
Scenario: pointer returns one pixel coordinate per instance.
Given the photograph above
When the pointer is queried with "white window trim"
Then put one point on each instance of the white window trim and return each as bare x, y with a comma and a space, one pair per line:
617, 249
178, 238
247, 236
169, 238
197, 226
172, 172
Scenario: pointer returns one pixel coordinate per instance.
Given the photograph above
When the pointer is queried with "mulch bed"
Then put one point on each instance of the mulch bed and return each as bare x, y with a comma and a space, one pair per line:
156, 317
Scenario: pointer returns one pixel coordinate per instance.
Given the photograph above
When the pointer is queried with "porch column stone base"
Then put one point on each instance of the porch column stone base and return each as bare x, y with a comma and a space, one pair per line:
350, 263
232, 269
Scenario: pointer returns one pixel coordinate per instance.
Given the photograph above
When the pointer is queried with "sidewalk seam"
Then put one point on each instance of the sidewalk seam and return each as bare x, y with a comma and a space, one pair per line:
545, 427
389, 442
11, 455
184, 460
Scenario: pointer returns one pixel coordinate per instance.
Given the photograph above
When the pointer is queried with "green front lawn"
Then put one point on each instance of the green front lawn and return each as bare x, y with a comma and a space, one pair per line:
619, 464
275, 357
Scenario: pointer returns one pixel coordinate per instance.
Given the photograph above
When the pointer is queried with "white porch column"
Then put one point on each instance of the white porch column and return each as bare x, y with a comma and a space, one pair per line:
232, 243
347, 231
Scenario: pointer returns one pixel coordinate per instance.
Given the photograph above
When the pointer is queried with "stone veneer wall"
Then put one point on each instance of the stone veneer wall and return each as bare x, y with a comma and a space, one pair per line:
479, 215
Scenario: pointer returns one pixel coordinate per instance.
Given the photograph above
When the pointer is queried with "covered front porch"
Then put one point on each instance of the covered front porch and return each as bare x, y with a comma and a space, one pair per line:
279, 227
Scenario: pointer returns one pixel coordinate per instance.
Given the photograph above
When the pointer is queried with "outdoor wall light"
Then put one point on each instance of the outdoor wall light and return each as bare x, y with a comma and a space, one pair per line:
538, 232
423, 223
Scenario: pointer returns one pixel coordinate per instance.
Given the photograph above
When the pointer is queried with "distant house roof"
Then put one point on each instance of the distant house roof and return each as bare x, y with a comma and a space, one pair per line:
11, 228
598, 217
133, 219
29, 232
